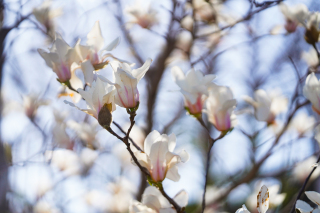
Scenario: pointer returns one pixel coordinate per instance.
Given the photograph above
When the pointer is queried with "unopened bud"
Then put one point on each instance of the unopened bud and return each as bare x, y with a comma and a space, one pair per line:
312, 35
105, 116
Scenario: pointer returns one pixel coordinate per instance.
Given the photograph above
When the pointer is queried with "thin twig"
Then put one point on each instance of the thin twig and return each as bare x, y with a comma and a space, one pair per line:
303, 187
131, 140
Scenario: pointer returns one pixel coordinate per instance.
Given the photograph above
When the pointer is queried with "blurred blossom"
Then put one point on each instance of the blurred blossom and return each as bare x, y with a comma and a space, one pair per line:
194, 87
44, 207
212, 193
65, 160
220, 107
59, 133
76, 83
303, 124
267, 106
98, 200
303, 169
153, 202
100, 95
31, 103
44, 14
87, 159
311, 58
86, 132
184, 42
304, 207
274, 201
43, 186
295, 15
158, 156
143, 14
122, 193
60, 58
262, 201
91, 57
311, 91
126, 81
187, 23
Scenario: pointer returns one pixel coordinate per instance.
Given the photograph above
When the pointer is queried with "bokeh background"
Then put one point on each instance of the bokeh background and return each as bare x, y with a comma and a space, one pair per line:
255, 53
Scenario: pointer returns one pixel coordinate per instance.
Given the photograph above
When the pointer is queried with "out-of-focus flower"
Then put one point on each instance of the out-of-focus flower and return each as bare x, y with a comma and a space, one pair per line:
142, 14
303, 168
303, 207
86, 132
87, 159
59, 133
31, 103
317, 134
44, 207
311, 91
65, 160
187, 23
91, 57
184, 41
313, 27
122, 193
43, 186
60, 58
66, 92
295, 15
262, 202
99, 96
194, 87
311, 58
44, 14
153, 201
302, 123
158, 156
126, 81
204, 11
275, 198
98, 200
243, 209
267, 106
220, 106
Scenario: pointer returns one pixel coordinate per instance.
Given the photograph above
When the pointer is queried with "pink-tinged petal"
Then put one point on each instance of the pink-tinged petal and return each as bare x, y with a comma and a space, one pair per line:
150, 139
158, 160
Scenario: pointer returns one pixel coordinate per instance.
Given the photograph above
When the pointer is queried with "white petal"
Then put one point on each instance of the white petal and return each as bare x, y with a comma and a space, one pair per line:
150, 139
95, 38
173, 174
263, 200
243, 209
140, 72
181, 198
87, 70
112, 45
184, 156
303, 207
314, 197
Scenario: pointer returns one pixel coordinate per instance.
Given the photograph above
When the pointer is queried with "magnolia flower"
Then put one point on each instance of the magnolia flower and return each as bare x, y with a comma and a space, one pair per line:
275, 198
126, 81
44, 207
262, 202
142, 14
187, 23
313, 27
267, 106
220, 106
91, 56
311, 91
31, 103
194, 87
44, 14
153, 202
302, 170
295, 15
98, 97
311, 58
98, 200
86, 132
158, 156
304, 207
59, 58
302, 124
64, 160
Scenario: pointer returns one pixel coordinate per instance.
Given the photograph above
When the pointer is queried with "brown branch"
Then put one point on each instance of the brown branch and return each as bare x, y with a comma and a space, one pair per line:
303, 187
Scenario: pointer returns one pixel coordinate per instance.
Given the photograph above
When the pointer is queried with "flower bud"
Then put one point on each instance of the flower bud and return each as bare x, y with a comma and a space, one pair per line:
105, 116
